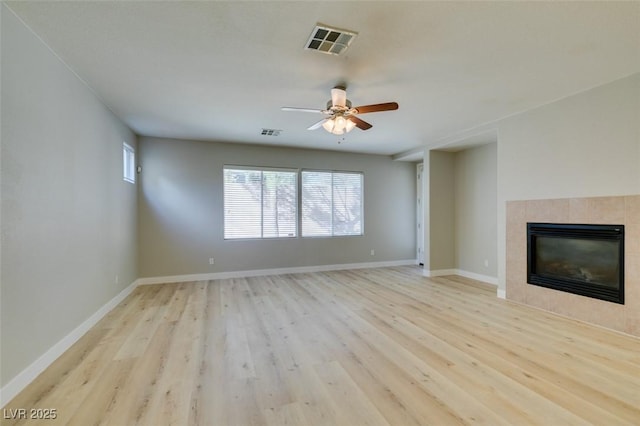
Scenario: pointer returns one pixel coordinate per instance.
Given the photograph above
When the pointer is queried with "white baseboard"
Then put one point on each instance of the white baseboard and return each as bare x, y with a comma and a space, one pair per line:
439, 272
478, 277
26, 376
274, 271
502, 293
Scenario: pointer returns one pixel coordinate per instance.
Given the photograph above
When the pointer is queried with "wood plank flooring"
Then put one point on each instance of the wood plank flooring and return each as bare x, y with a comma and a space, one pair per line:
372, 346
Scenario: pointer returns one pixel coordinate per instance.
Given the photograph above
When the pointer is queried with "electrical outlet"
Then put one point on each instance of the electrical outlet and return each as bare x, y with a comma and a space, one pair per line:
486, 263
211, 261
117, 279
373, 252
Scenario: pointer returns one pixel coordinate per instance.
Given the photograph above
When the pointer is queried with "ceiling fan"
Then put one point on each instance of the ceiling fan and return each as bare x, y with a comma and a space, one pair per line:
341, 116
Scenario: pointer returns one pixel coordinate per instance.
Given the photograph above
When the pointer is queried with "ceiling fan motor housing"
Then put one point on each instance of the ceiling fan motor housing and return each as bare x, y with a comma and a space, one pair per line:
331, 107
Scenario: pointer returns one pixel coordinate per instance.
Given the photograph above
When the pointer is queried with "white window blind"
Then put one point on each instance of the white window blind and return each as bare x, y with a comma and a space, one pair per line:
331, 203
128, 163
260, 203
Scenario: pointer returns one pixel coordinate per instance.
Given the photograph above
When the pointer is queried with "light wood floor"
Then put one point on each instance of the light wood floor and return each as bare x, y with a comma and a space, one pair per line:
377, 346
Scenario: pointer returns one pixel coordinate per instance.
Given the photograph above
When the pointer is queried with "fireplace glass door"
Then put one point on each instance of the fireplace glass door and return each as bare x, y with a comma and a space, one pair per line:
582, 259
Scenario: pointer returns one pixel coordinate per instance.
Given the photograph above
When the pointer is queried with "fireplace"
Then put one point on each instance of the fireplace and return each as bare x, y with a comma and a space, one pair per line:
587, 260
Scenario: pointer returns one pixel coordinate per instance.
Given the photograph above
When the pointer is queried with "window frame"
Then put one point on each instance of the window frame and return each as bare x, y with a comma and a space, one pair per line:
298, 202
332, 172
262, 169
128, 159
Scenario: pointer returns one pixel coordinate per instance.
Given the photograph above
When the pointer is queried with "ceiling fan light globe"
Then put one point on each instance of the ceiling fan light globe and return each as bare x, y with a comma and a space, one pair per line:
338, 125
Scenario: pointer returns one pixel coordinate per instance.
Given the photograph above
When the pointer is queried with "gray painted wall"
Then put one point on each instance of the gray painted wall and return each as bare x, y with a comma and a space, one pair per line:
181, 209
462, 213
476, 215
441, 210
68, 219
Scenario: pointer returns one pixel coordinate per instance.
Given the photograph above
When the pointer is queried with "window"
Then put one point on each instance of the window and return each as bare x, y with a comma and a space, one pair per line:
331, 203
260, 203
128, 163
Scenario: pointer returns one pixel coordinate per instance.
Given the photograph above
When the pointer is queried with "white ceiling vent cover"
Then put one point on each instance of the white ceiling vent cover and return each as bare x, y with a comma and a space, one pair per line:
332, 41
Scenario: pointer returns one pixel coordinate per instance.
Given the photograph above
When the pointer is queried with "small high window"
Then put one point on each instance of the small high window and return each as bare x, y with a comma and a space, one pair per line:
128, 163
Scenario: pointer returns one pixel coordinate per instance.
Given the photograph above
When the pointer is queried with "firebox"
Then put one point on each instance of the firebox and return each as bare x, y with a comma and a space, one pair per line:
587, 260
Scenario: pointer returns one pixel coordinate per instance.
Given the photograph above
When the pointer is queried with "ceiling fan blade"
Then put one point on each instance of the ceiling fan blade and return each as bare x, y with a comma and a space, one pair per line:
360, 124
389, 106
318, 124
338, 97
302, 109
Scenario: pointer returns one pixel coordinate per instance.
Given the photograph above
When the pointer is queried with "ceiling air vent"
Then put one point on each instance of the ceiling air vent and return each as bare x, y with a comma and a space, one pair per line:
332, 41
271, 132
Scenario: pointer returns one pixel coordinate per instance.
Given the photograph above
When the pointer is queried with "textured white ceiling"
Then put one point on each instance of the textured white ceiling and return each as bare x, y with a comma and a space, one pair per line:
221, 70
